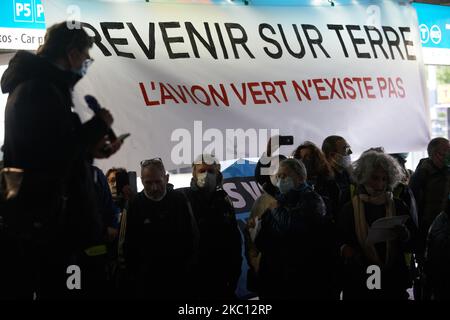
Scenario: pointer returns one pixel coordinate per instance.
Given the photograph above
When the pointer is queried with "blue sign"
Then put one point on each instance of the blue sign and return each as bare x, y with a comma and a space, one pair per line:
238, 174
27, 14
434, 25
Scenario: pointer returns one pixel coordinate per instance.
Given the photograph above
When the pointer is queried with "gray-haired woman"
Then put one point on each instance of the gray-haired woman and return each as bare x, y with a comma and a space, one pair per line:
375, 174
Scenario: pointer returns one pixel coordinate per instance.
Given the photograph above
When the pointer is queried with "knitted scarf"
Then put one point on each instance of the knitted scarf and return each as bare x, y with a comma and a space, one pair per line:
361, 226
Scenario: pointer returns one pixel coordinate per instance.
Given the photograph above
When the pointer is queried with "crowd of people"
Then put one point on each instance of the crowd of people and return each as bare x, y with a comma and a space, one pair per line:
309, 234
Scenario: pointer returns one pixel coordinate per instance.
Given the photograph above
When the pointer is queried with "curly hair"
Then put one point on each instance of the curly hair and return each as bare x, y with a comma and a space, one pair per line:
321, 167
369, 161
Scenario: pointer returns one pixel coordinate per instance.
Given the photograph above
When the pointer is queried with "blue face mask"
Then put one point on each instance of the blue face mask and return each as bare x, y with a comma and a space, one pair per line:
285, 185
83, 69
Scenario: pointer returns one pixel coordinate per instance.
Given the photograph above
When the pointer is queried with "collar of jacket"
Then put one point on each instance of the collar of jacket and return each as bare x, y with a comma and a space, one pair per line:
292, 197
25, 66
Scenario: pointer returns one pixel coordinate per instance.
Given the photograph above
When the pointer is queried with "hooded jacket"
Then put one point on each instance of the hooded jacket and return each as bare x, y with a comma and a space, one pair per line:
46, 139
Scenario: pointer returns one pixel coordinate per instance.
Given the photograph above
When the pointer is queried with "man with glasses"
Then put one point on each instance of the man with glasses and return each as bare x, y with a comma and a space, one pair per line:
159, 239
219, 258
54, 215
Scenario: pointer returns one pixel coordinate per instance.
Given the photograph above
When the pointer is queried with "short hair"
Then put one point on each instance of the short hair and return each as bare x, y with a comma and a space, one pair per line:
208, 159
363, 168
296, 166
60, 39
329, 144
434, 144
114, 170
156, 163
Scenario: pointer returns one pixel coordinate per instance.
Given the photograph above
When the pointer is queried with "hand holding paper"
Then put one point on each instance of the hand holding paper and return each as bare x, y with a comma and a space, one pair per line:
386, 229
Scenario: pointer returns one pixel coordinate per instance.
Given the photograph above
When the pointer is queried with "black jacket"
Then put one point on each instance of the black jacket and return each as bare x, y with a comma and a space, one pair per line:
220, 253
344, 182
296, 248
329, 190
395, 278
46, 139
429, 185
159, 245
437, 266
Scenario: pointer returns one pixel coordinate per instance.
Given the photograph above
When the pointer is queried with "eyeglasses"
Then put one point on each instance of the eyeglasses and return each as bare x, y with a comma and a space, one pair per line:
145, 163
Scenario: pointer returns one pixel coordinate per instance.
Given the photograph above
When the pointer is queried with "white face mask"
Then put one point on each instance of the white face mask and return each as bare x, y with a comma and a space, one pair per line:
344, 161
83, 69
206, 181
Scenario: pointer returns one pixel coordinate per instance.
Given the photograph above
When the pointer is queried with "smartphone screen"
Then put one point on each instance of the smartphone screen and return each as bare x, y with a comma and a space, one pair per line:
286, 140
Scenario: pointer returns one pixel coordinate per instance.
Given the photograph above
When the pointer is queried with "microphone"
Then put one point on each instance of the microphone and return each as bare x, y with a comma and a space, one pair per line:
92, 103
95, 107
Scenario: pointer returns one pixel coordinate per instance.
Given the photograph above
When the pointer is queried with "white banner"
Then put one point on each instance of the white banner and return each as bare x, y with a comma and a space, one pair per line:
181, 78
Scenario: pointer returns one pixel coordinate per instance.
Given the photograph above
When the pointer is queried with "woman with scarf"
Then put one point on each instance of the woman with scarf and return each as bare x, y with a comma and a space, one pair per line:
376, 174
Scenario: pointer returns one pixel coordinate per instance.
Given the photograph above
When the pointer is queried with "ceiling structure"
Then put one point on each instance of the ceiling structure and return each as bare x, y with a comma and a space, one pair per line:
441, 2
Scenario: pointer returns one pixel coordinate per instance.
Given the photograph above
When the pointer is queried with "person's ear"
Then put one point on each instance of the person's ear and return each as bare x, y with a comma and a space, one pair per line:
167, 178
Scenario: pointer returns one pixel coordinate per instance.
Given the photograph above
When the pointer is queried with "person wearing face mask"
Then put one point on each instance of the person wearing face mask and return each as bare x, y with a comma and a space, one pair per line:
52, 219
376, 174
320, 176
296, 250
337, 152
218, 267
159, 239
429, 184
